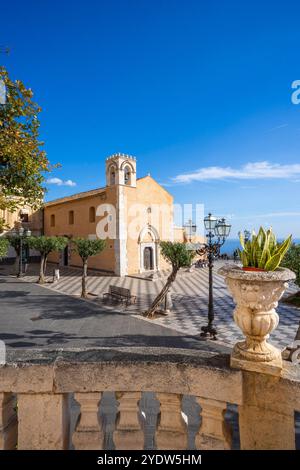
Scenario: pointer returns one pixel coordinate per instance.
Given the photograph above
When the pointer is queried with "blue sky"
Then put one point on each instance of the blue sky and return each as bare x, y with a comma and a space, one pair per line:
189, 87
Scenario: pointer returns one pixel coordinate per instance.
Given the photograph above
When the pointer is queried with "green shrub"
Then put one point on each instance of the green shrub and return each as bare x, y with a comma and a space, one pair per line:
292, 261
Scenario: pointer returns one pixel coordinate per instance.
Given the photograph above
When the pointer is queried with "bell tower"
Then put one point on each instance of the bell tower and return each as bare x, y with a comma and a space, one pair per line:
121, 174
121, 170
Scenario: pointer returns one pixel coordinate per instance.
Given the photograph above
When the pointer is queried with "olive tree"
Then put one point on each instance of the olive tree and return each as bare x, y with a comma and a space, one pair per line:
4, 244
15, 242
46, 245
85, 249
178, 256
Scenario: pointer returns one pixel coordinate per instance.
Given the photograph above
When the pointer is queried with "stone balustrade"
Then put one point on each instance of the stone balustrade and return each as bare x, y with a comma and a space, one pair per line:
39, 393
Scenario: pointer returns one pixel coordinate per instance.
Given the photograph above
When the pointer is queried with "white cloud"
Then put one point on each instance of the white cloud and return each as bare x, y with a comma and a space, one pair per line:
256, 170
60, 182
281, 126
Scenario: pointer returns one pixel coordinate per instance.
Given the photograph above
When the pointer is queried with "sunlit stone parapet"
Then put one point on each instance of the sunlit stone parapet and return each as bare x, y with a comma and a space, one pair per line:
266, 403
256, 295
172, 431
128, 434
88, 434
214, 432
44, 421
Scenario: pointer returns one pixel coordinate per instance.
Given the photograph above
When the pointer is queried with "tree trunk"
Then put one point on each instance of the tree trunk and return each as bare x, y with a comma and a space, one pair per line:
84, 279
45, 264
42, 275
17, 264
17, 261
161, 296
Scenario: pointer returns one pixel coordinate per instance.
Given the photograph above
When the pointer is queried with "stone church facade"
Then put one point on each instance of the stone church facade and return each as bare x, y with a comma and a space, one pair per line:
133, 214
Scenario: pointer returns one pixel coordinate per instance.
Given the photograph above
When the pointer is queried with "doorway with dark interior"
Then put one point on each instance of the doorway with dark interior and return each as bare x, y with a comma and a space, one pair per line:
148, 258
66, 256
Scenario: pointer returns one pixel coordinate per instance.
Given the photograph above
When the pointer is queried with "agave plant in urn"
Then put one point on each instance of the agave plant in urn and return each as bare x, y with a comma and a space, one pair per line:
256, 288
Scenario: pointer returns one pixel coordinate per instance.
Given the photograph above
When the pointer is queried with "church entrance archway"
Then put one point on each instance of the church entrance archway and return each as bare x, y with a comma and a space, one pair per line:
149, 249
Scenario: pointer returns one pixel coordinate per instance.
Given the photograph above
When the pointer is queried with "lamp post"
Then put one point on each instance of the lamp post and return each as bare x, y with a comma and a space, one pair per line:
247, 235
191, 228
219, 229
22, 234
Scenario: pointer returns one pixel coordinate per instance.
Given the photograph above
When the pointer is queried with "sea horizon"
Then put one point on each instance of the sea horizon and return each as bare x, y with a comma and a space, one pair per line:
233, 243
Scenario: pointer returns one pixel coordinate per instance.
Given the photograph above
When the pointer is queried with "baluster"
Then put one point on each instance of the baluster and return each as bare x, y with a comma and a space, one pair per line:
214, 432
8, 422
44, 421
128, 434
88, 433
172, 430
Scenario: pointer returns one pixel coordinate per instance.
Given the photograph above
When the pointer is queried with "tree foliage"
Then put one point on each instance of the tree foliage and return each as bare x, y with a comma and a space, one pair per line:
4, 244
85, 249
23, 163
178, 256
15, 242
46, 245
292, 261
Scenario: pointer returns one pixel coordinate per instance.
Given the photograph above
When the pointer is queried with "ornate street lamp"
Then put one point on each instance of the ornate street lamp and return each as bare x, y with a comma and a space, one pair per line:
21, 233
247, 235
219, 230
191, 227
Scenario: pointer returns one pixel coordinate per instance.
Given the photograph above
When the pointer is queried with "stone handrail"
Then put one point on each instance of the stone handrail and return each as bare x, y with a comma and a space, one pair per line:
36, 389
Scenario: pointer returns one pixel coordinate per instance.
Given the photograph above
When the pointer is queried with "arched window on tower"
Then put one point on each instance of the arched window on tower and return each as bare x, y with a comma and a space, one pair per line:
92, 214
127, 175
112, 178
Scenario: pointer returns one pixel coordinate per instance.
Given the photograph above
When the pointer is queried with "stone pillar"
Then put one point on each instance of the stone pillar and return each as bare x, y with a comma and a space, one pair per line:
172, 431
214, 432
43, 421
263, 429
128, 434
8, 422
88, 433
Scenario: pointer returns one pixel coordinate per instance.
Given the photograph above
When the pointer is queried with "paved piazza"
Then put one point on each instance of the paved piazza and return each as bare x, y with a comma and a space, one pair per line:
189, 295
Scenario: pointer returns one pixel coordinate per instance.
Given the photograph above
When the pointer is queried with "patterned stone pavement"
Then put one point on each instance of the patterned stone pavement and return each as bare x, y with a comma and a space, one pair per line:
189, 295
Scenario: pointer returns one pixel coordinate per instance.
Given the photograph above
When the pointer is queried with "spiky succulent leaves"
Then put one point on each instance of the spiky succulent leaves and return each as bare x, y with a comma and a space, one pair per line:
262, 251
275, 260
242, 240
265, 252
261, 236
284, 246
243, 257
272, 240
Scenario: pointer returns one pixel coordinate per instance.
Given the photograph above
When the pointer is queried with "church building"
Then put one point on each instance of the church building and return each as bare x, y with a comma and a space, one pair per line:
133, 214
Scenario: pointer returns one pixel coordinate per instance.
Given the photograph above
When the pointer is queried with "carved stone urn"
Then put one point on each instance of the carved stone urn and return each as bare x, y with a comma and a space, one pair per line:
256, 294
